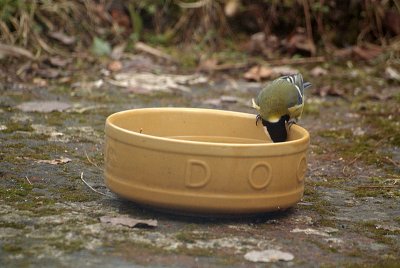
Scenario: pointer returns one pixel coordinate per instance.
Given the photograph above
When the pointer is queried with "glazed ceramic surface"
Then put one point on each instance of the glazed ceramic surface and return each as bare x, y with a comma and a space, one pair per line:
203, 161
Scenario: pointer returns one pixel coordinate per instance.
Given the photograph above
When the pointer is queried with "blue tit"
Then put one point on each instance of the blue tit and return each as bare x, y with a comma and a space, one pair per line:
279, 103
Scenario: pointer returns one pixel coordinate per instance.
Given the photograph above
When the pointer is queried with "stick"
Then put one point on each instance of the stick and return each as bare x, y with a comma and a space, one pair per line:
90, 161
94, 190
379, 186
392, 161
153, 51
16, 51
26, 177
296, 61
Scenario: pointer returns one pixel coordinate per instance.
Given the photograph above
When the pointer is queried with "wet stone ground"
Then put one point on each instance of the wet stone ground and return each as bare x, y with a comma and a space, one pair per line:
52, 136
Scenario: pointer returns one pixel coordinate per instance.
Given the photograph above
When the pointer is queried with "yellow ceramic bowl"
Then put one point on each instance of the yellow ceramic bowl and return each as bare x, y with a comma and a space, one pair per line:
203, 161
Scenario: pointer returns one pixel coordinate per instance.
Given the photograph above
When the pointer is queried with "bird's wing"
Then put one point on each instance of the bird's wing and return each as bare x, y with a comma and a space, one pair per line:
294, 98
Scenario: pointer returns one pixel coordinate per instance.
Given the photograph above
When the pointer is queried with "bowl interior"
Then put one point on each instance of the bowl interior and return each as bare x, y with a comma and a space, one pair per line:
198, 125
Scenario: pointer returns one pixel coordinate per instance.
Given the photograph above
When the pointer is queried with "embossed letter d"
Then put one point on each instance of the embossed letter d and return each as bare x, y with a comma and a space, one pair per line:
197, 173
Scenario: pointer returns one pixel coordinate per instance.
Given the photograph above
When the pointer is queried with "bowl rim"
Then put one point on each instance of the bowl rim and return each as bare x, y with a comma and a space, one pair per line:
111, 128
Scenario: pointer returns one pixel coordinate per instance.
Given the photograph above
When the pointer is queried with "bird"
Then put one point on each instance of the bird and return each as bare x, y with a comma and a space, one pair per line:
280, 103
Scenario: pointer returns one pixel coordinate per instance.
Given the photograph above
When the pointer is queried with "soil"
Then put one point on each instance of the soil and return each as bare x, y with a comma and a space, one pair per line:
349, 216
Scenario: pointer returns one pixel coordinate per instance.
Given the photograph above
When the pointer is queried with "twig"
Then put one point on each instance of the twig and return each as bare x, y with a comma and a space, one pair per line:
15, 51
153, 51
296, 61
197, 4
308, 24
225, 67
391, 161
90, 161
351, 163
26, 177
379, 186
91, 188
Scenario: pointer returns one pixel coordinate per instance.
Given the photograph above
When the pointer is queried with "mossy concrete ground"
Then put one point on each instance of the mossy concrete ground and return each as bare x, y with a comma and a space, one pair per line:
349, 216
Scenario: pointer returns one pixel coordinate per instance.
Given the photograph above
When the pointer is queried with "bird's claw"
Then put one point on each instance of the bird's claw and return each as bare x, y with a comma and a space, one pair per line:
258, 118
291, 122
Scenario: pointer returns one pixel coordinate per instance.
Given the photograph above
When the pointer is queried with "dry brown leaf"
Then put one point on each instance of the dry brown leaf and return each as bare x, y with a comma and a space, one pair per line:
39, 82
114, 66
329, 91
43, 106
392, 74
128, 221
49, 72
118, 51
284, 70
257, 73
231, 8
208, 65
57, 161
58, 61
300, 41
120, 17
318, 71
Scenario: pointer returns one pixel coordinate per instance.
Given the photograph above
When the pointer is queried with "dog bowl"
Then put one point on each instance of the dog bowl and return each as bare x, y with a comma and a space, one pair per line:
203, 161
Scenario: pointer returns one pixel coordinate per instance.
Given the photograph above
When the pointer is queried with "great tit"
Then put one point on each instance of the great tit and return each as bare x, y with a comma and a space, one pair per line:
279, 103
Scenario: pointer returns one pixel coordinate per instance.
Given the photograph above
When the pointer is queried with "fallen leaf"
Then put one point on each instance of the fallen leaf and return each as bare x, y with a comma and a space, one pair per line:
300, 41
333, 240
284, 70
260, 43
270, 255
389, 228
120, 17
207, 65
309, 231
329, 91
392, 74
258, 73
156, 83
118, 51
141, 63
100, 47
128, 221
63, 38
318, 71
231, 8
114, 66
39, 82
43, 106
58, 61
49, 72
229, 99
57, 161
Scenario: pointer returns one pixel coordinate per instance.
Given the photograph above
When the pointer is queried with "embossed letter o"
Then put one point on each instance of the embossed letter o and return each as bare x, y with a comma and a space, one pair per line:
260, 175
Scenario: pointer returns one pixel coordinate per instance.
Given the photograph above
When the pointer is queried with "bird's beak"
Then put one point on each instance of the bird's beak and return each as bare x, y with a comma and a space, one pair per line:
277, 131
